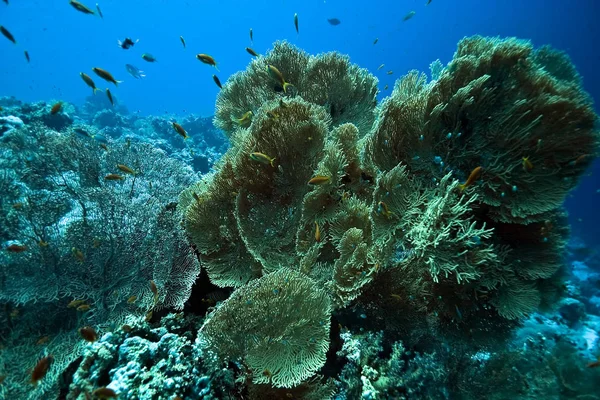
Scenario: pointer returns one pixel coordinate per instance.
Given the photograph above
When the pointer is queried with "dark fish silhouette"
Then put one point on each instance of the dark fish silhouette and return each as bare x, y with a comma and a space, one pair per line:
7, 34
334, 21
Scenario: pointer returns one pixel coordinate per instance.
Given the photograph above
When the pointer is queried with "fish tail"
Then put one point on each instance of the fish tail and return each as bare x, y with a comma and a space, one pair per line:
117, 83
272, 165
95, 89
462, 187
217, 68
285, 86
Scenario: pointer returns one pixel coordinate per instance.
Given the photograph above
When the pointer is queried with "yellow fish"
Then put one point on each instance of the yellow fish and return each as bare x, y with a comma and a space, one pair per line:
262, 158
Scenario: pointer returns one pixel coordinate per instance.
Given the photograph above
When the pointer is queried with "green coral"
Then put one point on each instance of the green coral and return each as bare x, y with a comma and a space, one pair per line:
278, 324
396, 227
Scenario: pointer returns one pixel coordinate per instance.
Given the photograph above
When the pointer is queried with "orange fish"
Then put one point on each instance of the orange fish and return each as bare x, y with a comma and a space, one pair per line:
594, 364
75, 303
41, 369
107, 76
125, 169
383, 209
475, 174
206, 59
319, 180
43, 340
114, 177
56, 108
179, 129
16, 248
154, 290
131, 299
88, 334
78, 254
84, 307
317, 232
527, 165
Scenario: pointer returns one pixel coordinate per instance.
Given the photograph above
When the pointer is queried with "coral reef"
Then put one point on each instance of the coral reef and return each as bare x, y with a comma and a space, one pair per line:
141, 362
85, 229
411, 249
441, 222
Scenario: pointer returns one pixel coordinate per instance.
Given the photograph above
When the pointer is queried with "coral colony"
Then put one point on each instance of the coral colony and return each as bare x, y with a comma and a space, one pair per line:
335, 248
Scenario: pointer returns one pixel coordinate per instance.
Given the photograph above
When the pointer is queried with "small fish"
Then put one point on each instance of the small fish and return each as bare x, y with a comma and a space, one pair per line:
278, 76
127, 43
114, 177
428, 2
317, 232
88, 81
458, 313
43, 243
594, 364
99, 11
251, 35
80, 7
125, 169
107, 76
88, 334
182, 41
579, 159
105, 393
245, 119
103, 147
148, 57
7, 34
16, 248
84, 308
27, 56
319, 180
179, 129
375, 41
251, 52
131, 299
409, 16
334, 21
41, 369
267, 373
3, 377
396, 296
296, 22
217, 81
381, 66
75, 303
18, 206
56, 108
390, 72
475, 174
272, 115
78, 254
383, 209
527, 164
126, 328
43, 340
134, 71
385, 87
206, 59
154, 290
149, 315
110, 98
262, 158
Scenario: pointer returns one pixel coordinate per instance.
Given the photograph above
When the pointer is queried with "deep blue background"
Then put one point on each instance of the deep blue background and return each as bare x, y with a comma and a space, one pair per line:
63, 42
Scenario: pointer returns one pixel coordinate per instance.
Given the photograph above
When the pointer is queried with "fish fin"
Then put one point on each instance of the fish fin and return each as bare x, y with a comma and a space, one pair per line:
462, 187
96, 89
117, 82
285, 86
272, 165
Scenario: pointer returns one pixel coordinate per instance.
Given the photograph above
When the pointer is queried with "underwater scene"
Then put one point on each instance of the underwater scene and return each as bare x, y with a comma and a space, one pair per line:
317, 199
